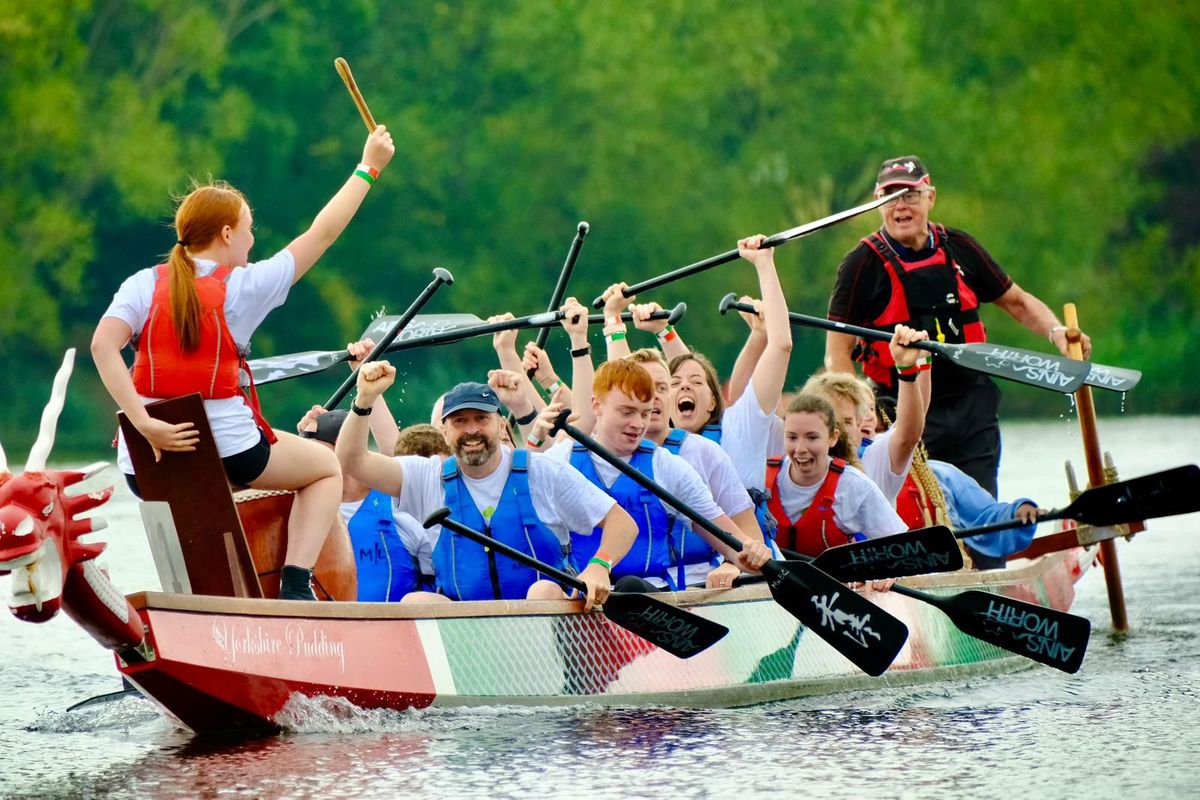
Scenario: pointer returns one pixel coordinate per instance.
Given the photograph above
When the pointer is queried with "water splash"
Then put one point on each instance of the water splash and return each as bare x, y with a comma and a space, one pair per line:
325, 714
123, 714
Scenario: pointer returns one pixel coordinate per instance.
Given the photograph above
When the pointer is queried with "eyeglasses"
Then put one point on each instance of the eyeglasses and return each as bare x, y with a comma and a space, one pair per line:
910, 198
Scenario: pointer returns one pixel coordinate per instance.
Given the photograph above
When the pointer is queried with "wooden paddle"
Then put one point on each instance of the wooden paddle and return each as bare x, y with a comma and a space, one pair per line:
1046, 635
1045, 371
679, 632
343, 69
440, 278
857, 628
1160, 494
277, 368
783, 237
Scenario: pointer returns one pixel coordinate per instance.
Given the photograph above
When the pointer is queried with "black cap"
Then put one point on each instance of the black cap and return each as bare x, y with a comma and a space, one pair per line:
329, 425
902, 171
478, 396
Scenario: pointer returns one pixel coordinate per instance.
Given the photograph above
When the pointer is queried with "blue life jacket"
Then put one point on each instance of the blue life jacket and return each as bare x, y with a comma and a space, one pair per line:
650, 555
687, 546
386, 570
466, 570
712, 431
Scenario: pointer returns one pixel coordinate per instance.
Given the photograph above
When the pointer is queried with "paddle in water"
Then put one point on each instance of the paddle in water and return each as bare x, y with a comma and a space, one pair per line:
857, 628
1054, 638
679, 632
1054, 372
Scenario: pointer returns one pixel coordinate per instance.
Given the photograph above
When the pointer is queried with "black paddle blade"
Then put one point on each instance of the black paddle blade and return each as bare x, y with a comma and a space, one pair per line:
854, 626
918, 552
1162, 494
1054, 638
681, 633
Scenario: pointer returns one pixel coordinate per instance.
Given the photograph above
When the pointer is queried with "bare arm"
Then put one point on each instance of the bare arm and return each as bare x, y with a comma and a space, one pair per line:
751, 352
505, 345
383, 424
614, 304
838, 349
771, 373
669, 340
111, 335
376, 470
337, 213
583, 371
910, 402
1035, 315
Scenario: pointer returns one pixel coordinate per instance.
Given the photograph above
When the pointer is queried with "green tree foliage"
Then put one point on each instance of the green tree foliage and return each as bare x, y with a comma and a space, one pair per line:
1063, 135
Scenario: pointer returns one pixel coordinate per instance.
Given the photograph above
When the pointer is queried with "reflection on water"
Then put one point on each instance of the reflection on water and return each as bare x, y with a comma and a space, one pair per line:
1125, 726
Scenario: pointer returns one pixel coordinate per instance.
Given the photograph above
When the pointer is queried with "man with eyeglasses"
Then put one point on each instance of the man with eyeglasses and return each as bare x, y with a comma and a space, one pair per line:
932, 278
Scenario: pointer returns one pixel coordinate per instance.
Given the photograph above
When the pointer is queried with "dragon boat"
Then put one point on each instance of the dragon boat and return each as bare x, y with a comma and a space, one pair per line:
217, 656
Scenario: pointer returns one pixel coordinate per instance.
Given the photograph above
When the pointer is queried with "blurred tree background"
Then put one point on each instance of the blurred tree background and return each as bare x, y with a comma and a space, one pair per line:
1063, 135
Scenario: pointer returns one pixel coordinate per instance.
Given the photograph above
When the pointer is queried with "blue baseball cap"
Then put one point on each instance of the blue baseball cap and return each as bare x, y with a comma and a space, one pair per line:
477, 396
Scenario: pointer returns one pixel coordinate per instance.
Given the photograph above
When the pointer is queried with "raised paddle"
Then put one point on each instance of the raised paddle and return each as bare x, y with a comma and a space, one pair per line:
857, 628
1048, 636
1054, 372
277, 368
783, 237
681, 633
564, 276
1160, 494
343, 69
440, 277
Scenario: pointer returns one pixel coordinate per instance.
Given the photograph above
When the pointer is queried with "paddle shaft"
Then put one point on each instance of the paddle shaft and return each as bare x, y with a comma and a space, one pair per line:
1160, 494
641, 480
1023, 366
775, 240
564, 277
440, 277
544, 320
516, 555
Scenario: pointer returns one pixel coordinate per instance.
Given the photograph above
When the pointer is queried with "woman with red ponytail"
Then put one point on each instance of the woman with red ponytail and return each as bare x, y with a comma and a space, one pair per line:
191, 320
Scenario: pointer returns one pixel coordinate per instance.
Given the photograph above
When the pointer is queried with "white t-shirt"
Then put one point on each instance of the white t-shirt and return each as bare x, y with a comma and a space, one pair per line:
877, 464
252, 292
715, 466
750, 436
858, 505
563, 499
413, 535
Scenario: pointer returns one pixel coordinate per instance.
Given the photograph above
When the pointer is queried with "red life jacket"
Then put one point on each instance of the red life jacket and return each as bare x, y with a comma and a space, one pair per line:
929, 295
162, 368
914, 506
815, 531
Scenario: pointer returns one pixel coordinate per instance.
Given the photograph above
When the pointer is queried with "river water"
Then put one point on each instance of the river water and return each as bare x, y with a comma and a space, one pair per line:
1127, 725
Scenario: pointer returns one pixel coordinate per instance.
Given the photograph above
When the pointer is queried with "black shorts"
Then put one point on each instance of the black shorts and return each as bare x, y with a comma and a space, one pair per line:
240, 468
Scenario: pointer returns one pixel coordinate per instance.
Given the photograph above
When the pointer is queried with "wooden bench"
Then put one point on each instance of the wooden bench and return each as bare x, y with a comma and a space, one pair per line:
230, 549
193, 484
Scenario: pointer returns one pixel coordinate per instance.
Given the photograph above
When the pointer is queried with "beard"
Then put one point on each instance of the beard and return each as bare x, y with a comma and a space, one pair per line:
475, 458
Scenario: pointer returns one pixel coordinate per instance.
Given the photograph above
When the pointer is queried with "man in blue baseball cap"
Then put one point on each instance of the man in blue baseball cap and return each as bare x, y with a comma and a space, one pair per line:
525, 500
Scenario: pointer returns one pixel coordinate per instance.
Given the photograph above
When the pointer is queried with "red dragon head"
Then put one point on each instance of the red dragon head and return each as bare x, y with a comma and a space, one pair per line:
39, 534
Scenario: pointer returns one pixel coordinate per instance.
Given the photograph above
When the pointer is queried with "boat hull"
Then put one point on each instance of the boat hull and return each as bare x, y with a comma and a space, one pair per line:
222, 664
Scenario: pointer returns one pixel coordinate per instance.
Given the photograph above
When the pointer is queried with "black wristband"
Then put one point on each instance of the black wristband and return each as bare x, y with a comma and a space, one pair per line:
909, 378
586, 350
362, 412
528, 418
